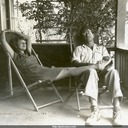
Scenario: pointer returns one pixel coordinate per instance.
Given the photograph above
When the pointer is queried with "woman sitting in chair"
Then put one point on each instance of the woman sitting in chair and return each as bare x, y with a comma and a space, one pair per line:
30, 67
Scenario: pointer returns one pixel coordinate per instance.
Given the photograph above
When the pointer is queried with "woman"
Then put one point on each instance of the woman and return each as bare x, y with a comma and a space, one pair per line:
29, 66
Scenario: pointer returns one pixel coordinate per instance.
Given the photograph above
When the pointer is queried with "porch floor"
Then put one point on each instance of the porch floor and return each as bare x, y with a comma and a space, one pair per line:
18, 110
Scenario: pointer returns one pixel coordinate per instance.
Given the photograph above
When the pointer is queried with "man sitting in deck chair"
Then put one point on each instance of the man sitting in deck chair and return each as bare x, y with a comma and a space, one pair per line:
89, 53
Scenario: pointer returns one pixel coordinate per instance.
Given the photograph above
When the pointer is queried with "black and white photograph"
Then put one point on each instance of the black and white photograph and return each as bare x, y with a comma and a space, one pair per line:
63, 63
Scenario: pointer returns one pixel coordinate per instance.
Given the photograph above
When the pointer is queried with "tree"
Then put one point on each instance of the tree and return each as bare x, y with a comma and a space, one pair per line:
99, 15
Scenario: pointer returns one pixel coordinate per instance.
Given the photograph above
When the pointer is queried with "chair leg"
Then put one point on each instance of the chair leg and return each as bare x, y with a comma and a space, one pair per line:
10, 76
47, 104
70, 84
57, 93
78, 99
31, 98
10, 81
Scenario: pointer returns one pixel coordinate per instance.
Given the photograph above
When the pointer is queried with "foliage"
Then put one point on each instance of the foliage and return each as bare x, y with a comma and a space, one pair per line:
39, 12
99, 15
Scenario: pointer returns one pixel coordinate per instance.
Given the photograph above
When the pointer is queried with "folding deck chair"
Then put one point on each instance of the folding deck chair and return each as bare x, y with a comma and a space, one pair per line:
27, 87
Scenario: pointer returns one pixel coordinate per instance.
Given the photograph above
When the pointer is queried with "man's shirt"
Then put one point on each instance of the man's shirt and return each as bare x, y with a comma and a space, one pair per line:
84, 54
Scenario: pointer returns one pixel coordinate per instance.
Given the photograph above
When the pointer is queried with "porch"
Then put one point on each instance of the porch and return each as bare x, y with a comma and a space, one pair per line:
18, 110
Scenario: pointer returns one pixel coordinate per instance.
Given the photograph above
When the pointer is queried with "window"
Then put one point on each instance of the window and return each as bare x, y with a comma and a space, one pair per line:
126, 25
29, 27
6, 14
3, 15
122, 25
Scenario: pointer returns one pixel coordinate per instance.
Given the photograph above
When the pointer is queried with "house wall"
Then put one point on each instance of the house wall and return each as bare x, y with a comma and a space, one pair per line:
122, 66
121, 56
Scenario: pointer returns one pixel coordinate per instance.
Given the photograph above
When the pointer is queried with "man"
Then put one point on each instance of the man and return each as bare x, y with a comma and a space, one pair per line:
90, 53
